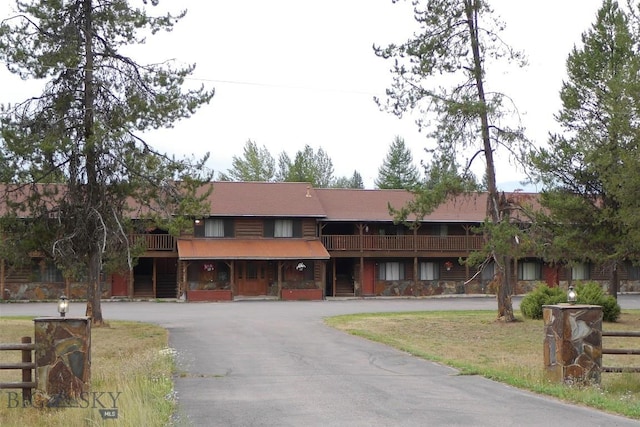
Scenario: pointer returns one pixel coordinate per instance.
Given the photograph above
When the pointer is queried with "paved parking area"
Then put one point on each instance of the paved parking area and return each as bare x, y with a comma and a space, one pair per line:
272, 363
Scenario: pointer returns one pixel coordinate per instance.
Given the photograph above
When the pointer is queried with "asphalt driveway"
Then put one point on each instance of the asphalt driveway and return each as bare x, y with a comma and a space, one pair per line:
272, 363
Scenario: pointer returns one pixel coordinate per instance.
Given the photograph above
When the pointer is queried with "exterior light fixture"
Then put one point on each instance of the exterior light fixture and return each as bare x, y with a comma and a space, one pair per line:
572, 296
300, 266
63, 305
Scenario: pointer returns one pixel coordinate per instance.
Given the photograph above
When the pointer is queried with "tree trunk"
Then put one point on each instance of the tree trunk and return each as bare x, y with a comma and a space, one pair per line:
505, 307
94, 292
94, 289
614, 281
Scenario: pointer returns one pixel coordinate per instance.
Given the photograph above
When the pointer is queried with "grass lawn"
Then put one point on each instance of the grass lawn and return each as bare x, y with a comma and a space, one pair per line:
474, 343
126, 357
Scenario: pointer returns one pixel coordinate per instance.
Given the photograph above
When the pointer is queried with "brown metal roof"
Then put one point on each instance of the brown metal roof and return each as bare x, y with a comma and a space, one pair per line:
373, 205
284, 199
257, 249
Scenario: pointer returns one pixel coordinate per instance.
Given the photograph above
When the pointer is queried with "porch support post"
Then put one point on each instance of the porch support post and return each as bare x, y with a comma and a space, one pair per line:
358, 290
232, 277
323, 278
333, 275
280, 265
153, 277
130, 284
415, 275
2, 278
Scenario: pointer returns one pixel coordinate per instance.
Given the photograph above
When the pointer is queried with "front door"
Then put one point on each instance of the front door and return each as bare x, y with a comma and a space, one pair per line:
251, 277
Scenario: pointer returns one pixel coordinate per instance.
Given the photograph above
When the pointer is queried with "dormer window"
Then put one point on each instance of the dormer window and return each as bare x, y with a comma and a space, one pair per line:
213, 227
283, 228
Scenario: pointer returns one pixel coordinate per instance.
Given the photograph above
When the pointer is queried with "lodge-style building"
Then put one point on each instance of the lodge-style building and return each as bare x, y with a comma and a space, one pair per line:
293, 241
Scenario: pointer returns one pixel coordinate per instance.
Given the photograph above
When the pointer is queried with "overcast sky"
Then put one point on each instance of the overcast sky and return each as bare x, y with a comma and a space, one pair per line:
288, 73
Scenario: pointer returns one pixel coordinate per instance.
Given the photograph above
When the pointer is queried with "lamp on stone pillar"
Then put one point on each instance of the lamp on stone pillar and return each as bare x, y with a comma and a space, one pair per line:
572, 296
63, 305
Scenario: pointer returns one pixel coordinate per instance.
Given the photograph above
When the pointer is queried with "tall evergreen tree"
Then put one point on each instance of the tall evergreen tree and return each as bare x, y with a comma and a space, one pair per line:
397, 169
590, 169
83, 131
308, 165
456, 41
344, 182
257, 164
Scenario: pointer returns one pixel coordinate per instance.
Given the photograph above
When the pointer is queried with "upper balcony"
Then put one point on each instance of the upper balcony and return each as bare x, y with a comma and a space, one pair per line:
421, 243
155, 242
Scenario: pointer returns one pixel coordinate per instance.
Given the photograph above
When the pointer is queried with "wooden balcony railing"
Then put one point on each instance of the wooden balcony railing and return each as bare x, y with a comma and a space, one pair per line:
155, 242
401, 243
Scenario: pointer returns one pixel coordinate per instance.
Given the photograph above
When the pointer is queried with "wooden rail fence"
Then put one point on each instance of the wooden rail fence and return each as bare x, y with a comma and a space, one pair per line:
624, 351
26, 366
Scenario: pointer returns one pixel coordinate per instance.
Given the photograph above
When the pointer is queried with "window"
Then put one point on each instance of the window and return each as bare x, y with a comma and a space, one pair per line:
213, 227
391, 271
529, 270
429, 271
580, 271
47, 272
634, 271
283, 228
439, 230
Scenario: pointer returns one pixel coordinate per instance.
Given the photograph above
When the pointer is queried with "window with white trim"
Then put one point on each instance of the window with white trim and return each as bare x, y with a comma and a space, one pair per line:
580, 271
283, 228
213, 227
391, 271
529, 270
429, 271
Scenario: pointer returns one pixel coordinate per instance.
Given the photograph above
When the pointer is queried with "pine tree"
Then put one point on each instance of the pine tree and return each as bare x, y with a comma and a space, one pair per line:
456, 42
257, 164
590, 169
76, 153
397, 169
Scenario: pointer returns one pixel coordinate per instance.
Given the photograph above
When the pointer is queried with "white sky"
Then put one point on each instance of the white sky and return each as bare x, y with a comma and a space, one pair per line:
288, 73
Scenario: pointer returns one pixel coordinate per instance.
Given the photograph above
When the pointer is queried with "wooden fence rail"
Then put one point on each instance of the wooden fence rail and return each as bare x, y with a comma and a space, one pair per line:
625, 351
26, 366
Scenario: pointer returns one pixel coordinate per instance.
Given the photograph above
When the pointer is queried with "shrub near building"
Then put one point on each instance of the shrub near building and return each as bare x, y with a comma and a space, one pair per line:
588, 293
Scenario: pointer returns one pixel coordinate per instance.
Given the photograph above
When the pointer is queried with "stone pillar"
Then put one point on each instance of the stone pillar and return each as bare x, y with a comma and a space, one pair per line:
63, 359
573, 343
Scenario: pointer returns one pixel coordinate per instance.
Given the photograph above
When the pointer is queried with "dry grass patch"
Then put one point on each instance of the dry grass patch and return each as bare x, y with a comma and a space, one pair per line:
126, 357
474, 343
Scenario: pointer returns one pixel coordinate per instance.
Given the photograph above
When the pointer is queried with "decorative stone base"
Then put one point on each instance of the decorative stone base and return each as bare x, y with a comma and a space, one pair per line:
209, 295
573, 343
63, 359
301, 294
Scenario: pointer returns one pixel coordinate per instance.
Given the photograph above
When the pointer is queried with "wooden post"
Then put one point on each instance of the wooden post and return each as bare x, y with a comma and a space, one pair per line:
154, 272
130, 283
26, 372
2, 278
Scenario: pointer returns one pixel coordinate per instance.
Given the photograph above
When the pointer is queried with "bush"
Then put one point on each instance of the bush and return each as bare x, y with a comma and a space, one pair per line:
531, 304
592, 293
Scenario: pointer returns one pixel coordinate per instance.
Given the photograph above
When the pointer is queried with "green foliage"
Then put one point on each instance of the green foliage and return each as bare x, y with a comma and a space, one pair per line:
84, 131
308, 165
592, 293
590, 169
397, 170
256, 164
531, 304
354, 182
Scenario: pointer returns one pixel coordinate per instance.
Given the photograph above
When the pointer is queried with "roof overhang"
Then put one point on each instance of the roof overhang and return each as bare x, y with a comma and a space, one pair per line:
254, 249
